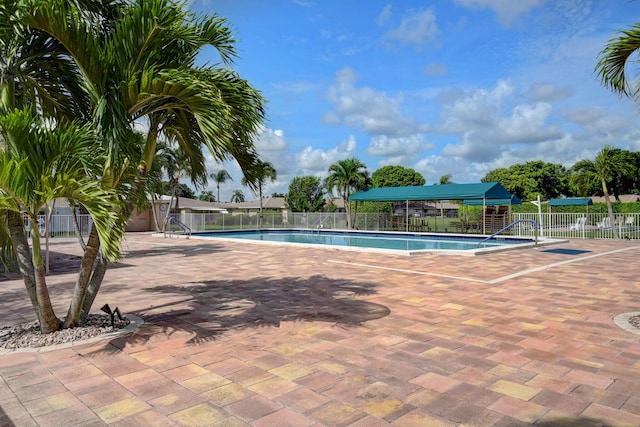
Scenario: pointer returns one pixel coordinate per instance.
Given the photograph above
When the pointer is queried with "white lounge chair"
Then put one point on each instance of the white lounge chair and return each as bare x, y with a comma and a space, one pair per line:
579, 225
605, 223
630, 222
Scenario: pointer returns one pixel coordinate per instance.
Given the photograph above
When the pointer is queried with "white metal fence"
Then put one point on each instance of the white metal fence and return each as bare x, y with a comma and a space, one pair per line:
566, 225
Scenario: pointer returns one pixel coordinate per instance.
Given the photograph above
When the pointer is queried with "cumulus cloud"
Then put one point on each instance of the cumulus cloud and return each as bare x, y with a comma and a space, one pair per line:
372, 111
407, 146
418, 29
270, 140
485, 130
507, 11
314, 161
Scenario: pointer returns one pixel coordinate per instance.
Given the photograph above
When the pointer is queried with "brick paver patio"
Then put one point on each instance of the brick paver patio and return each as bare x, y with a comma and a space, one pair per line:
252, 335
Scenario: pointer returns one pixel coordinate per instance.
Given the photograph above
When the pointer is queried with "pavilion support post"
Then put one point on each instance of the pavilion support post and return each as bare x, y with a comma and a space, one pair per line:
406, 213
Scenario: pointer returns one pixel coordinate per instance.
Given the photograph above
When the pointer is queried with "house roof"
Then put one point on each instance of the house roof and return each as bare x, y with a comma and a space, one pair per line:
267, 203
194, 204
625, 198
481, 190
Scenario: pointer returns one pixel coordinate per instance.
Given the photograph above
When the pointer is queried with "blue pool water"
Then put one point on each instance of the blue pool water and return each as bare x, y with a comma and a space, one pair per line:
389, 241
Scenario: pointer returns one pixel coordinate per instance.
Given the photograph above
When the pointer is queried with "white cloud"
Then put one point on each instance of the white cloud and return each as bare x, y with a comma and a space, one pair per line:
549, 92
418, 29
364, 108
435, 69
405, 146
269, 141
300, 86
384, 15
508, 11
314, 161
584, 115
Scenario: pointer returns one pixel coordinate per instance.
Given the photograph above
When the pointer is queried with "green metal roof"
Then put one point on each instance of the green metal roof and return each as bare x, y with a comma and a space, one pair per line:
513, 200
571, 201
481, 190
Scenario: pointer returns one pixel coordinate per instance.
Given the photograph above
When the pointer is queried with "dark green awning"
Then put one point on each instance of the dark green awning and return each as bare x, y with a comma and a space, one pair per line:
481, 190
571, 201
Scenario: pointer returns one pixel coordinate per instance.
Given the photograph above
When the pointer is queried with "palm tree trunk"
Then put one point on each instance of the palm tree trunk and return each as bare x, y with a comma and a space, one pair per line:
153, 211
48, 320
80, 290
609, 209
99, 271
23, 255
76, 227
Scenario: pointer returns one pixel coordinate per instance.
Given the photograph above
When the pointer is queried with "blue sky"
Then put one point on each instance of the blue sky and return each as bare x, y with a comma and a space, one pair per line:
456, 87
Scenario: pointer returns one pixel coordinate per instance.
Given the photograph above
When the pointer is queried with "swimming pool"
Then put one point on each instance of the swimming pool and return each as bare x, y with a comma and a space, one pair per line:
404, 243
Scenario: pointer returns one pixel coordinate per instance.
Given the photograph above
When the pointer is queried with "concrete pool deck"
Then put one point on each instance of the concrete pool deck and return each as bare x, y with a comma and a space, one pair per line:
246, 335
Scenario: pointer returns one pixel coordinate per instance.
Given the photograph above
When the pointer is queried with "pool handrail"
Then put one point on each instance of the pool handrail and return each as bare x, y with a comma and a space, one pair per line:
185, 229
535, 223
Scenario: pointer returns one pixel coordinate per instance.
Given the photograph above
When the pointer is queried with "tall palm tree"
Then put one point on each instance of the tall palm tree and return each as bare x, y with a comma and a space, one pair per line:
237, 196
606, 164
220, 177
142, 65
264, 172
39, 164
347, 176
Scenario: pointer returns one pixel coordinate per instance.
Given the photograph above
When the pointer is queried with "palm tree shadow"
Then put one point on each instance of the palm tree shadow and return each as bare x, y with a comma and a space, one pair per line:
212, 308
573, 422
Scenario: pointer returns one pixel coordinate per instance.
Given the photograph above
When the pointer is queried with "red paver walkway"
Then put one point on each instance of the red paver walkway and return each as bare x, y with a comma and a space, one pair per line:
250, 335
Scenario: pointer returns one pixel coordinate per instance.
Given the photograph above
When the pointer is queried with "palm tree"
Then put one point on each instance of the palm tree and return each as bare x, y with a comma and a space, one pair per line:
207, 196
237, 196
140, 63
607, 163
613, 59
347, 176
39, 164
220, 177
264, 172
35, 72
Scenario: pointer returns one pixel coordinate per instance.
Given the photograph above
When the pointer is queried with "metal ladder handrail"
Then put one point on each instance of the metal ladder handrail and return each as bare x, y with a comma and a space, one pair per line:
318, 223
183, 226
511, 225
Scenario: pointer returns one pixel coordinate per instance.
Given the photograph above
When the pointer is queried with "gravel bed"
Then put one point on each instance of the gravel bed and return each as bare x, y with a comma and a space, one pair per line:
27, 335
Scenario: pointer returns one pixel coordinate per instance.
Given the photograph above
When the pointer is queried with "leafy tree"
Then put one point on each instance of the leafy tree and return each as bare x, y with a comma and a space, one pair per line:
220, 177
306, 194
264, 172
396, 176
348, 176
528, 180
207, 196
446, 179
278, 195
608, 162
237, 196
